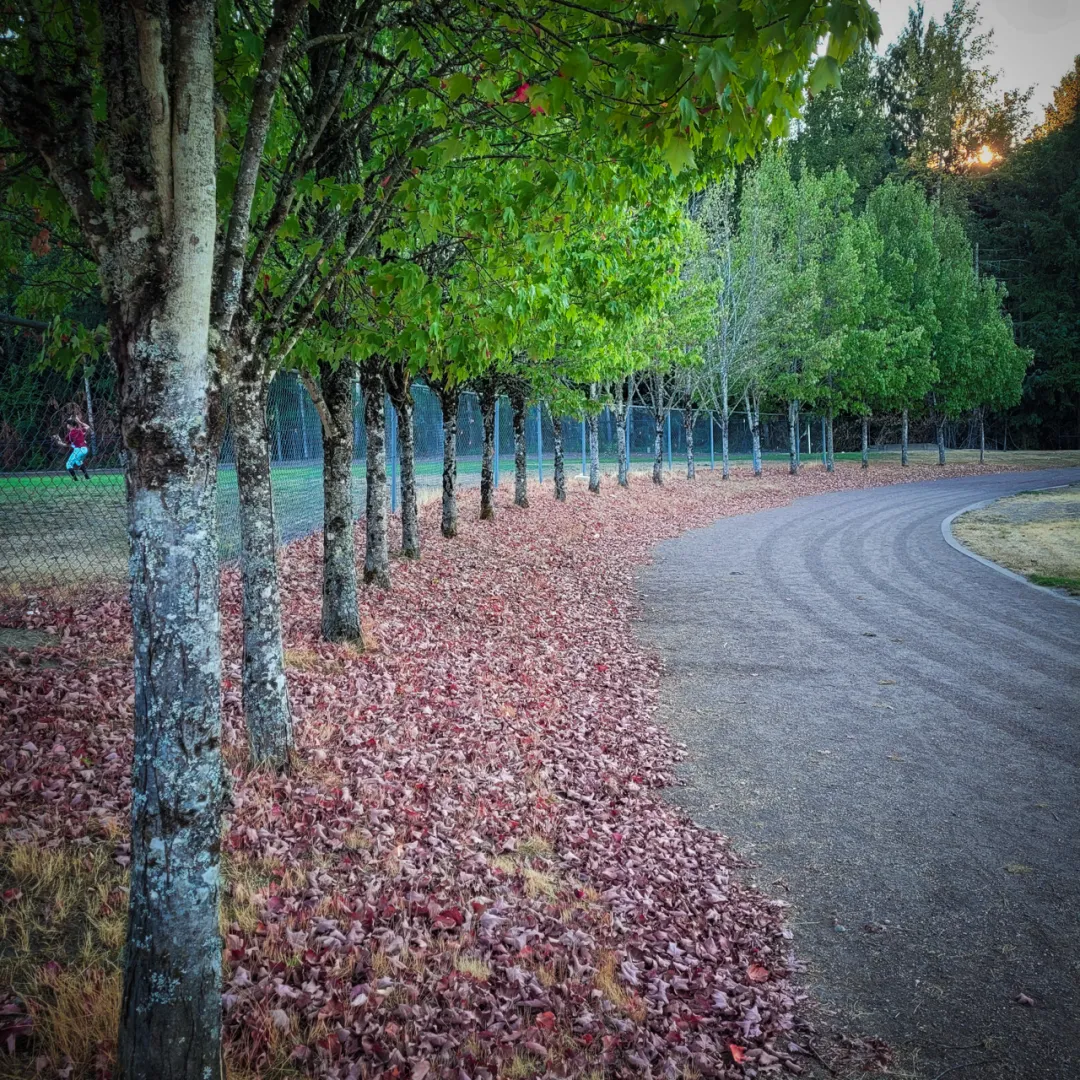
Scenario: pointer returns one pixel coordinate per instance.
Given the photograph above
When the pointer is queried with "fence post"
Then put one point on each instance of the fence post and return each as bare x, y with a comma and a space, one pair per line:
277, 424
669, 440
89, 410
583, 444
712, 447
303, 419
824, 460
539, 443
808, 438
629, 421
498, 402
391, 416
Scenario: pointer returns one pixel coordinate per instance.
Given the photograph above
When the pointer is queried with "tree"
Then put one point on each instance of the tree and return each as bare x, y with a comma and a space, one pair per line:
1024, 222
1062, 109
845, 125
151, 232
942, 98
909, 272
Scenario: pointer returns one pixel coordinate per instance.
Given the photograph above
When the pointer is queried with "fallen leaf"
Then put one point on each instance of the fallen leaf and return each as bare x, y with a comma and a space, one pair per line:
757, 973
738, 1052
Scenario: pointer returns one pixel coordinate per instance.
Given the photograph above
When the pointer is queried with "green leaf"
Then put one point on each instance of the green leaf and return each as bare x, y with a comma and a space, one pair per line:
825, 73
576, 64
459, 85
678, 154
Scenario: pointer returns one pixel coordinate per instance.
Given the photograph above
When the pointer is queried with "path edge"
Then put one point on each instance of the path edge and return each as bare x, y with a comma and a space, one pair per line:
950, 539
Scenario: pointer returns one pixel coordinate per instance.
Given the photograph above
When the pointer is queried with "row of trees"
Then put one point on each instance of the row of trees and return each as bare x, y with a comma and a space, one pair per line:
932, 109
463, 191
881, 310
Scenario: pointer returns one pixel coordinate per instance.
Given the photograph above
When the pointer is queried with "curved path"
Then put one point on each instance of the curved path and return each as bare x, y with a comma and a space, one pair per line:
891, 731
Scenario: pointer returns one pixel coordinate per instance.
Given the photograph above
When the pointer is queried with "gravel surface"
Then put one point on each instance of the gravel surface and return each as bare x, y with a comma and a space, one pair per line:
892, 732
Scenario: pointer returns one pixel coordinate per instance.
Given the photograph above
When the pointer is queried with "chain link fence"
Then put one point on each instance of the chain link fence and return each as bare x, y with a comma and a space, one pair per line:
59, 528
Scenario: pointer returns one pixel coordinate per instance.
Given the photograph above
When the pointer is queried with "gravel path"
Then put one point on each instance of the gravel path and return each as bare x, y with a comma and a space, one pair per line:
892, 732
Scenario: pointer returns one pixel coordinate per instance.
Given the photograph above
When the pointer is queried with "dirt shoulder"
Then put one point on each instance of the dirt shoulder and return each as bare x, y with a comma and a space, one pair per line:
1035, 533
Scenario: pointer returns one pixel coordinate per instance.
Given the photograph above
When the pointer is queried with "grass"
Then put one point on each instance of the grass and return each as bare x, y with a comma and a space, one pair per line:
1035, 533
68, 905
60, 532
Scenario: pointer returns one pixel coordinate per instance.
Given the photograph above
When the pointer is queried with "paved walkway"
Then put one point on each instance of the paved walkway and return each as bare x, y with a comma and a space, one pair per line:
892, 732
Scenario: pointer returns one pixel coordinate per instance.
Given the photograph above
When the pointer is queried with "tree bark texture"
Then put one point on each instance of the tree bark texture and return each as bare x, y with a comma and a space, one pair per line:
157, 272
621, 411
594, 453
658, 448
793, 439
340, 614
265, 693
377, 543
560, 463
725, 446
904, 438
798, 434
866, 442
489, 402
410, 517
688, 432
830, 462
753, 419
982, 435
449, 400
521, 460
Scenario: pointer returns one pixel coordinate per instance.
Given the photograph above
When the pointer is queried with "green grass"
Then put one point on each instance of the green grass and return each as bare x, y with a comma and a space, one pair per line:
1070, 584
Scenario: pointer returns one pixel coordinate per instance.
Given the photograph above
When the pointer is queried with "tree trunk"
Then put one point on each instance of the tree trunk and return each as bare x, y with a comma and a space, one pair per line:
410, 518
830, 461
755, 433
449, 399
622, 414
560, 464
340, 615
377, 545
725, 452
594, 453
793, 439
982, 435
904, 438
941, 440
798, 434
170, 1017
265, 693
688, 432
489, 402
521, 459
866, 442
658, 447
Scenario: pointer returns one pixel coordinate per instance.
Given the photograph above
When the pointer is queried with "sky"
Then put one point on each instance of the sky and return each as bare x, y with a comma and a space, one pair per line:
1034, 40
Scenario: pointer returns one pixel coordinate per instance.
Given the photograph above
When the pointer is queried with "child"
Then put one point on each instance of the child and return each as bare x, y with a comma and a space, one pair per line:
76, 439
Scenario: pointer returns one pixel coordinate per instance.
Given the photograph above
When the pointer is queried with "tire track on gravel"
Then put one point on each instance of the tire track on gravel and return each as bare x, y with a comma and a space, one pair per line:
925, 784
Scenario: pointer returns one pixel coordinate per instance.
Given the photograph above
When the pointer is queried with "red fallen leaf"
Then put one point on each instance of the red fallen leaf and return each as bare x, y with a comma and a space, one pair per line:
11, 895
738, 1052
757, 973
546, 1021
448, 918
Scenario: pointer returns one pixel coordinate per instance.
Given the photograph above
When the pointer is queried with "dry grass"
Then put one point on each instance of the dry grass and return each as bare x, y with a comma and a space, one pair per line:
474, 967
606, 980
1008, 459
1035, 533
62, 935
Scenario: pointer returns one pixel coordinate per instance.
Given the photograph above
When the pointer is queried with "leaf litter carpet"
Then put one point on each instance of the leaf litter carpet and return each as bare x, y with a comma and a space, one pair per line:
471, 871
